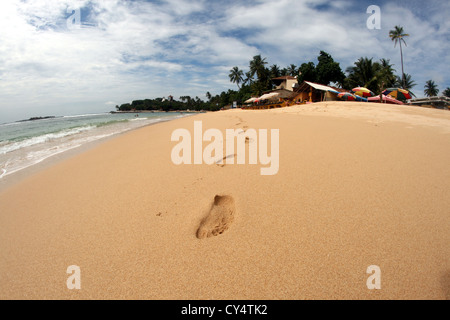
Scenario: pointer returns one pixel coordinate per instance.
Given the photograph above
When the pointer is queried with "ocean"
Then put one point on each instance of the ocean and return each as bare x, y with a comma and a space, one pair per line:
26, 143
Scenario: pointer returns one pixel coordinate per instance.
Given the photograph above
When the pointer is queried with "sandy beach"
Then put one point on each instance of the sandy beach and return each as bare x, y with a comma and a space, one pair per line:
358, 185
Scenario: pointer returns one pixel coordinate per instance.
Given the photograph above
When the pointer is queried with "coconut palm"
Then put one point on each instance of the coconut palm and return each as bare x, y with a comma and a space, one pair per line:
386, 73
363, 74
275, 71
431, 89
248, 78
447, 92
236, 76
375, 76
262, 83
257, 67
398, 36
292, 70
407, 83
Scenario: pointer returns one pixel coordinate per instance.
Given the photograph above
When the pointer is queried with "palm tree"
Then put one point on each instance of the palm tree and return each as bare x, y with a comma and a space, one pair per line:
262, 83
386, 73
248, 78
275, 71
236, 76
364, 73
431, 89
257, 66
447, 92
292, 70
407, 82
375, 76
397, 35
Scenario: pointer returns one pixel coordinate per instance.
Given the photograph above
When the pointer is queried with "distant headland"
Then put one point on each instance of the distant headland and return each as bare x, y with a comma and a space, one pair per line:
37, 118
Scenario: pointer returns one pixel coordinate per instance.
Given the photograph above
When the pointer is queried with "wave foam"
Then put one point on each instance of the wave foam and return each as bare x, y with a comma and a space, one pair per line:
42, 139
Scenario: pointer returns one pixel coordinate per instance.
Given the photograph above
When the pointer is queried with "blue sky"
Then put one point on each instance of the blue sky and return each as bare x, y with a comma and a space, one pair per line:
126, 50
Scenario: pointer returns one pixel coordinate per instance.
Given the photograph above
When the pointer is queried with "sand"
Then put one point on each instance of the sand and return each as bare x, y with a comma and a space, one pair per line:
358, 185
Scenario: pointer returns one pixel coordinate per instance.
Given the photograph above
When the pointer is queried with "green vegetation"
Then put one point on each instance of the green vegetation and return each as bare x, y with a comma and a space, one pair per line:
162, 104
398, 36
258, 78
375, 76
447, 92
431, 89
236, 76
407, 83
327, 70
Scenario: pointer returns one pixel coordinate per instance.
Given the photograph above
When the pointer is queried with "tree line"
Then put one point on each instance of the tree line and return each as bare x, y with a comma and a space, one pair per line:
365, 72
185, 103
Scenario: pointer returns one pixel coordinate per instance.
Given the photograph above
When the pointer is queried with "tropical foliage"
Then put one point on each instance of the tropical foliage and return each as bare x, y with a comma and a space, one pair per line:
447, 92
258, 78
328, 70
236, 76
163, 104
431, 89
407, 83
397, 35
375, 76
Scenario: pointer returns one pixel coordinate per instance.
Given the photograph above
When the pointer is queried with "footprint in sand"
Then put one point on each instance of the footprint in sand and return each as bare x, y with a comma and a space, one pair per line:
221, 163
219, 219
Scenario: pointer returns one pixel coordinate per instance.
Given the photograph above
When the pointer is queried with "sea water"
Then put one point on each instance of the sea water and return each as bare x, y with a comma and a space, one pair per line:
26, 143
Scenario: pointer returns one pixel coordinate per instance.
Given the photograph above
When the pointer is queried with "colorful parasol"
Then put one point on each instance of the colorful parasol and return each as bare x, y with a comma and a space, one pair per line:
386, 99
363, 92
350, 97
398, 93
346, 96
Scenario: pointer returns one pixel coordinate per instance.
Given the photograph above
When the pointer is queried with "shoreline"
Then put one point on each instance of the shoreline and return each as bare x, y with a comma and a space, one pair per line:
10, 180
356, 187
159, 111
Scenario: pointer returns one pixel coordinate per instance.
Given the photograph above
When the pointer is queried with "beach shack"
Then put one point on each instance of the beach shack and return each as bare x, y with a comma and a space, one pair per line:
309, 92
288, 92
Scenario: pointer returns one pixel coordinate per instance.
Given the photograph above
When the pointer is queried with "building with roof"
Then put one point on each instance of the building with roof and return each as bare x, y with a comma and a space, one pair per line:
435, 102
315, 92
288, 92
285, 82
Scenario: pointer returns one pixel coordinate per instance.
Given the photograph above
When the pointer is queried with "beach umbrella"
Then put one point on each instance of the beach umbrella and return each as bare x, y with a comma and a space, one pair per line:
250, 100
346, 96
362, 92
268, 96
387, 99
397, 93
361, 99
